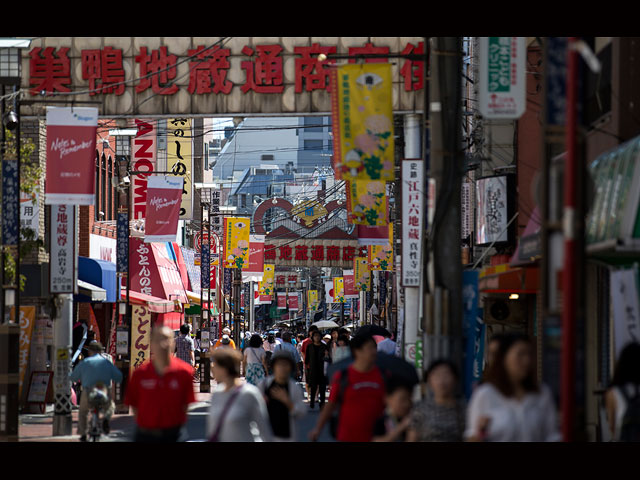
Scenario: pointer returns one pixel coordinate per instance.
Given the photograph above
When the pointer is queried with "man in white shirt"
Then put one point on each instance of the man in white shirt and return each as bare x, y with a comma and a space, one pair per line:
387, 346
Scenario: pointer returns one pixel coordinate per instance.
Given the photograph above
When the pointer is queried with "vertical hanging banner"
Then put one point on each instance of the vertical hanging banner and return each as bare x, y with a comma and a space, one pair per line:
349, 284
312, 300
372, 235
227, 279
180, 160
163, 208
412, 219
328, 292
144, 158
293, 301
362, 274
236, 242
30, 214
363, 121
338, 289
63, 259
205, 269
10, 199
381, 256
626, 308
122, 242
470, 298
140, 336
71, 151
502, 80
27, 321
268, 279
282, 301
367, 203
254, 270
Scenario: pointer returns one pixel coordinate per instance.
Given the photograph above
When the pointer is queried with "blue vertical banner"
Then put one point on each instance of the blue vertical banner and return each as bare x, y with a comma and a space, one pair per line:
122, 242
470, 315
227, 281
479, 341
10, 202
556, 79
205, 267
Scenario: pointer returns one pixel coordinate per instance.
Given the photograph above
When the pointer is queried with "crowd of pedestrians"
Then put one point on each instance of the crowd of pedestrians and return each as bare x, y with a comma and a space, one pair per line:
259, 391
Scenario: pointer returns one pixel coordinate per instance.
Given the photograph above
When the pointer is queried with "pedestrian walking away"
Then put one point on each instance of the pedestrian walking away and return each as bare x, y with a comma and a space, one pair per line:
94, 371
225, 339
284, 397
255, 361
160, 391
357, 395
510, 406
185, 346
238, 412
440, 415
316, 354
387, 345
622, 400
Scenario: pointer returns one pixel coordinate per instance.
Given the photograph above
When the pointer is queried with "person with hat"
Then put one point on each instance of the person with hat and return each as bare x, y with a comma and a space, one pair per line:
94, 371
228, 341
283, 396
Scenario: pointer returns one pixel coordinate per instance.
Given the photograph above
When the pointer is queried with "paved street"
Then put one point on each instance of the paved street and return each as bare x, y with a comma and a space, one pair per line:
39, 427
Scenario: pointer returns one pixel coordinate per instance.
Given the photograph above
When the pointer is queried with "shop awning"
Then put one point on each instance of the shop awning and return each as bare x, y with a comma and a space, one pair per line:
99, 273
89, 293
155, 304
506, 279
529, 246
194, 298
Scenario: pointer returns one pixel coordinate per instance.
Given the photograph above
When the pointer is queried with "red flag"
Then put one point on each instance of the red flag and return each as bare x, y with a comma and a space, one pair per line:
164, 196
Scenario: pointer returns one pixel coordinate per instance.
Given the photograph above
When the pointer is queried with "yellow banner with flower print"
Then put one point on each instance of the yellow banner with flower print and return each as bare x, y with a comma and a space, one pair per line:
338, 289
268, 276
312, 296
363, 103
362, 274
381, 256
367, 203
236, 242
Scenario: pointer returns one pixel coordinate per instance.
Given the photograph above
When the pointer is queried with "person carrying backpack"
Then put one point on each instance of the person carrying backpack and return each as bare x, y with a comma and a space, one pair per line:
622, 400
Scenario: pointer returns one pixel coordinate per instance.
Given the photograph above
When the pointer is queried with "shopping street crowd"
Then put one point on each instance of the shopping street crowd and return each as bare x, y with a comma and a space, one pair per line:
364, 392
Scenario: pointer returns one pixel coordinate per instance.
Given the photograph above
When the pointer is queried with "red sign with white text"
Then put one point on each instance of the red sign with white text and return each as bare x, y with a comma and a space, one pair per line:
71, 151
164, 197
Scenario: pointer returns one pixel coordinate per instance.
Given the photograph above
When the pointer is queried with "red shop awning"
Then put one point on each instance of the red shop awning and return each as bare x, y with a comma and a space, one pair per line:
155, 304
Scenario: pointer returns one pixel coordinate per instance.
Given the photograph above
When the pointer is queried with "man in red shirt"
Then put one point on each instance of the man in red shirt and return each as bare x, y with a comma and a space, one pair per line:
362, 402
160, 391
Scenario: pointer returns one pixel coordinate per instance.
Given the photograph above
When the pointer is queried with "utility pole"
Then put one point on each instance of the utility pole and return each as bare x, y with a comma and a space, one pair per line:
446, 168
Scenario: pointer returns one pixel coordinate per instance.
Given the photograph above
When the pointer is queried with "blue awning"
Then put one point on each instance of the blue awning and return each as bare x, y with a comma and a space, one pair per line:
101, 274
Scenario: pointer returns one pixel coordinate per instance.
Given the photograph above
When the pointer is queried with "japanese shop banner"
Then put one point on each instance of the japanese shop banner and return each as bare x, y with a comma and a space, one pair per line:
338, 289
140, 336
349, 284
412, 221
63, 260
363, 121
268, 280
502, 77
236, 242
180, 160
311, 252
381, 256
312, 300
367, 203
30, 214
144, 159
372, 235
71, 155
27, 321
163, 208
362, 274
254, 271
282, 301
262, 299
293, 301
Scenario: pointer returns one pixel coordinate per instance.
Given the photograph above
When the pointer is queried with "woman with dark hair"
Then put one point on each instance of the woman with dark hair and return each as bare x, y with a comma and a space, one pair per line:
439, 416
624, 389
238, 412
254, 361
314, 361
510, 406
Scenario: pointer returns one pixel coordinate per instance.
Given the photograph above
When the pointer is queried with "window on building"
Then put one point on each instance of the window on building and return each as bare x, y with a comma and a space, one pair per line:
267, 158
123, 145
313, 124
313, 144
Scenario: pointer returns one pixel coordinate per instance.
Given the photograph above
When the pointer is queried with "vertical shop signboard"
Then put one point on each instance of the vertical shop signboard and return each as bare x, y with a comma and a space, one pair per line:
140, 336
180, 160
63, 259
412, 221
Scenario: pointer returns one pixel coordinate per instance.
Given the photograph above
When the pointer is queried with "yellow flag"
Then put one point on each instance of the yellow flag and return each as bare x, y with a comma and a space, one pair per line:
381, 256
367, 203
338, 289
236, 242
362, 274
268, 275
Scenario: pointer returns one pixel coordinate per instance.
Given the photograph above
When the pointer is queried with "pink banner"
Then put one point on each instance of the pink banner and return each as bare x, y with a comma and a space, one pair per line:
293, 301
256, 255
164, 196
349, 284
282, 301
71, 156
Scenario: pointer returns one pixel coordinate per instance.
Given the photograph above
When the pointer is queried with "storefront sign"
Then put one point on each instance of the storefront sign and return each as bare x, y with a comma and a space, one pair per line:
103, 248
30, 214
10, 196
140, 336
311, 253
236, 242
163, 208
205, 268
122, 233
180, 160
502, 80
63, 259
27, 321
239, 75
144, 160
412, 221
363, 131
71, 151
492, 203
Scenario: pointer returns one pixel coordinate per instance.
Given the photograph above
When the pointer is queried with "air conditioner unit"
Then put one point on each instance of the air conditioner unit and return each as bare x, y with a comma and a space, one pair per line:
499, 310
